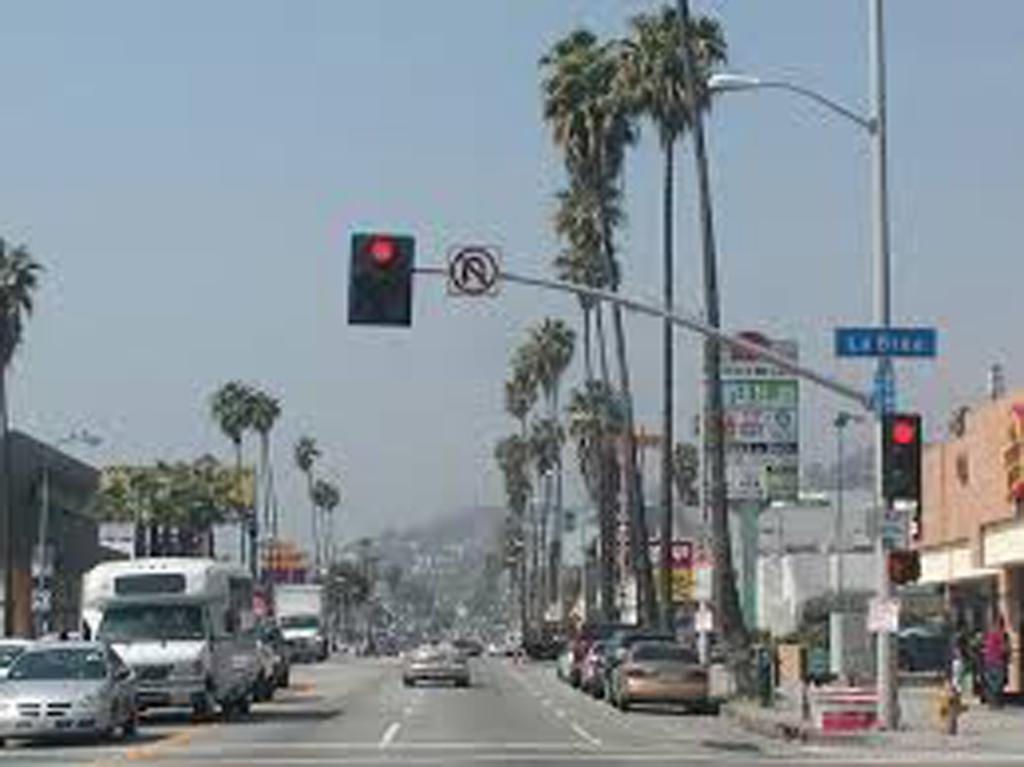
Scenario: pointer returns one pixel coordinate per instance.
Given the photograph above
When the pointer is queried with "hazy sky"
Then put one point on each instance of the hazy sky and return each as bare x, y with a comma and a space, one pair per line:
189, 172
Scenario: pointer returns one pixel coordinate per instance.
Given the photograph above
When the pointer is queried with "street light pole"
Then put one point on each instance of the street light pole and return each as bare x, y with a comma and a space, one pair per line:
888, 710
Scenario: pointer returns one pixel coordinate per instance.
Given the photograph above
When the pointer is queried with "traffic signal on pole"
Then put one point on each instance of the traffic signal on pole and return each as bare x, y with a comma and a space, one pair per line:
904, 566
380, 279
901, 458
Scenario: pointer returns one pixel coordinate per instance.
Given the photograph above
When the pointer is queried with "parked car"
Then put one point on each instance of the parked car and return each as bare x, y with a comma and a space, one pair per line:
661, 673
275, 662
436, 663
10, 649
68, 688
580, 645
591, 670
470, 647
618, 645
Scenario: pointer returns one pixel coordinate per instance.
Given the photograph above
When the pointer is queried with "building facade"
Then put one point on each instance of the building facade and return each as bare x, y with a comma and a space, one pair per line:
972, 524
72, 540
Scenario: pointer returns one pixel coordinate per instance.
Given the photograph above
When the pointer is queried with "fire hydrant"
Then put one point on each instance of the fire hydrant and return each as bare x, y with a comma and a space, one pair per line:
950, 706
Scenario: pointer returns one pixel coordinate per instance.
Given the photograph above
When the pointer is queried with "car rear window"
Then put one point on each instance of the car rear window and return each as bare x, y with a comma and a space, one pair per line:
655, 651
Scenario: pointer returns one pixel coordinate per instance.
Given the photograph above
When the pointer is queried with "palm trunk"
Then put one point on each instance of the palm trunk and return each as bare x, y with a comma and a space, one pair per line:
667, 439
639, 554
726, 595
243, 526
588, 363
559, 544
607, 506
602, 344
7, 499
314, 519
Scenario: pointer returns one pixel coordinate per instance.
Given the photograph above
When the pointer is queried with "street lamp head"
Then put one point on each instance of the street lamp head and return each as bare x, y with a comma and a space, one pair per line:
730, 81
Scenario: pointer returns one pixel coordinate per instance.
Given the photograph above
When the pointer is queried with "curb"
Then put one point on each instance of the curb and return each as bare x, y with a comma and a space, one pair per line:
790, 732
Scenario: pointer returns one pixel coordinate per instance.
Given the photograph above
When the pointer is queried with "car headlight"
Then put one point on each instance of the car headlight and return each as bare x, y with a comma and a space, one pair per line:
192, 668
90, 700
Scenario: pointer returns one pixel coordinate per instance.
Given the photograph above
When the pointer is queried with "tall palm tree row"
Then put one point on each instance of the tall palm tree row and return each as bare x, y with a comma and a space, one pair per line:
593, 126
19, 280
306, 453
652, 80
238, 408
512, 454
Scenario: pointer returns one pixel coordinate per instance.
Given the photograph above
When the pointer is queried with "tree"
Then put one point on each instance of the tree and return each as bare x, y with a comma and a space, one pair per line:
652, 77
264, 410
512, 455
230, 410
19, 280
521, 392
591, 122
595, 422
306, 453
326, 497
546, 439
553, 343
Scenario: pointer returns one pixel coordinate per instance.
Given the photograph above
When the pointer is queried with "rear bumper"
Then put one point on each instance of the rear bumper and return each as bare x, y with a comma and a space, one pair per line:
646, 691
436, 674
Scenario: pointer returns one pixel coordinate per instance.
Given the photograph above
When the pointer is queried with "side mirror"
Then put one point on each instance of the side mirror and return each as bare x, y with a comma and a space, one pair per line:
123, 674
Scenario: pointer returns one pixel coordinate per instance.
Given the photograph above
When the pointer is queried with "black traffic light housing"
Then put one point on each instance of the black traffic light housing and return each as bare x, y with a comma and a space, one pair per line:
904, 566
901, 457
380, 279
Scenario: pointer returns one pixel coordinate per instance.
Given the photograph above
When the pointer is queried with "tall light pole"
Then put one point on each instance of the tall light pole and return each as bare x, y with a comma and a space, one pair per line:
884, 393
83, 437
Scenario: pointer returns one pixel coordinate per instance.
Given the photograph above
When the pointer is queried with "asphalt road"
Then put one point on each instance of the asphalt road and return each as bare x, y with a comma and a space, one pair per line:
356, 712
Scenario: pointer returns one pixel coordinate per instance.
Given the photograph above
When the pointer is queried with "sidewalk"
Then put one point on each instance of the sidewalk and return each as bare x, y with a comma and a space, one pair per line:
980, 728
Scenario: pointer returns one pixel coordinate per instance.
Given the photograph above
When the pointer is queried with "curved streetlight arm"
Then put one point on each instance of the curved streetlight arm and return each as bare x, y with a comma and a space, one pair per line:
723, 83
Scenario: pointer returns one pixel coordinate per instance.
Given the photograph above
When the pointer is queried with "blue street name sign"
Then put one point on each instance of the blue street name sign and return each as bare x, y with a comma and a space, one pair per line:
886, 342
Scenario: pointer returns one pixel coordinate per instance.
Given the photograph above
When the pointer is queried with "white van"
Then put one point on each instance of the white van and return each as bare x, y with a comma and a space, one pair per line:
185, 626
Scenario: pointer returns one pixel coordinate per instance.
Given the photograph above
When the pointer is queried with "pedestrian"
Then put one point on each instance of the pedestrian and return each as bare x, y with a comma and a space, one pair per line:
995, 656
959, 659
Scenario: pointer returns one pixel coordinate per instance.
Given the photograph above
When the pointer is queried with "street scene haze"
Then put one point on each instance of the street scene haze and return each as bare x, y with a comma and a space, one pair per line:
511, 381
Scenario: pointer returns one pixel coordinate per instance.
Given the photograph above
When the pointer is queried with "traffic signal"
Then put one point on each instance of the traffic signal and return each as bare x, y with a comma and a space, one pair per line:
904, 566
380, 279
901, 457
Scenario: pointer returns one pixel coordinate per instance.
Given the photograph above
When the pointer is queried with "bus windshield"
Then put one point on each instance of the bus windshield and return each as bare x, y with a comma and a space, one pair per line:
133, 623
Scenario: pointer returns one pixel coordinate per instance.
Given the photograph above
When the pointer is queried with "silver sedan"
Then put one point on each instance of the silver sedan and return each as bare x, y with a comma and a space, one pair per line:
436, 663
67, 688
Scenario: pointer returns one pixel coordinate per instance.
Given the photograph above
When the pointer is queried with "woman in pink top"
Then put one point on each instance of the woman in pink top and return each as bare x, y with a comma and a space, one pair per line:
995, 654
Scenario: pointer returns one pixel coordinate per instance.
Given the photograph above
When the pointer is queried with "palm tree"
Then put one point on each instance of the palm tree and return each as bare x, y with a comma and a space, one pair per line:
306, 453
264, 411
592, 124
595, 421
512, 455
19, 280
229, 408
653, 82
546, 439
521, 394
326, 497
553, 342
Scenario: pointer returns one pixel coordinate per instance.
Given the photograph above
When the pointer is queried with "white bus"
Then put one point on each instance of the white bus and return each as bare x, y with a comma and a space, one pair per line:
185, 626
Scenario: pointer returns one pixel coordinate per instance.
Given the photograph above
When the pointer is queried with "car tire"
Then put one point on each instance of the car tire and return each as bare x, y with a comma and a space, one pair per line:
245, 705
462, 683
130, 728
408, 682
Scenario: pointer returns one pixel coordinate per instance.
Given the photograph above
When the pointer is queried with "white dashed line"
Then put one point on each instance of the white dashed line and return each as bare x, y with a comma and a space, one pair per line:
389, 734
585, 735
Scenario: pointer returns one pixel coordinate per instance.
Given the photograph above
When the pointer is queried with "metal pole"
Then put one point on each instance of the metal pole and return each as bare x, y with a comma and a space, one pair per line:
667, 441
44, 520
837, 537
887, 684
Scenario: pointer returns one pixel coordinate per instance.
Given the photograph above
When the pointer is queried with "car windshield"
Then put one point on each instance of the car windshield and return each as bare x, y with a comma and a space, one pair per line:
663, 651
9, 653
300, 622
60, 663
133, 623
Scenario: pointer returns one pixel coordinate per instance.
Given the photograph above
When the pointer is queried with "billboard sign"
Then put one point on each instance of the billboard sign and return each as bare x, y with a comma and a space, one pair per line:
761, 421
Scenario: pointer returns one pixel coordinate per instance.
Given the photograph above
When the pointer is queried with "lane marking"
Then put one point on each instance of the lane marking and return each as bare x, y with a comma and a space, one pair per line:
594, 741
389, 734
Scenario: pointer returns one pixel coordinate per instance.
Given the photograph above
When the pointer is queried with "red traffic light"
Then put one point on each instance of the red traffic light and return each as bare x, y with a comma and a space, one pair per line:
383, 251
904, 431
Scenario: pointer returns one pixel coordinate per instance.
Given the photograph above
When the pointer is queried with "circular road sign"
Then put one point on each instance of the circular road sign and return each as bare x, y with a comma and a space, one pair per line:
473, 270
